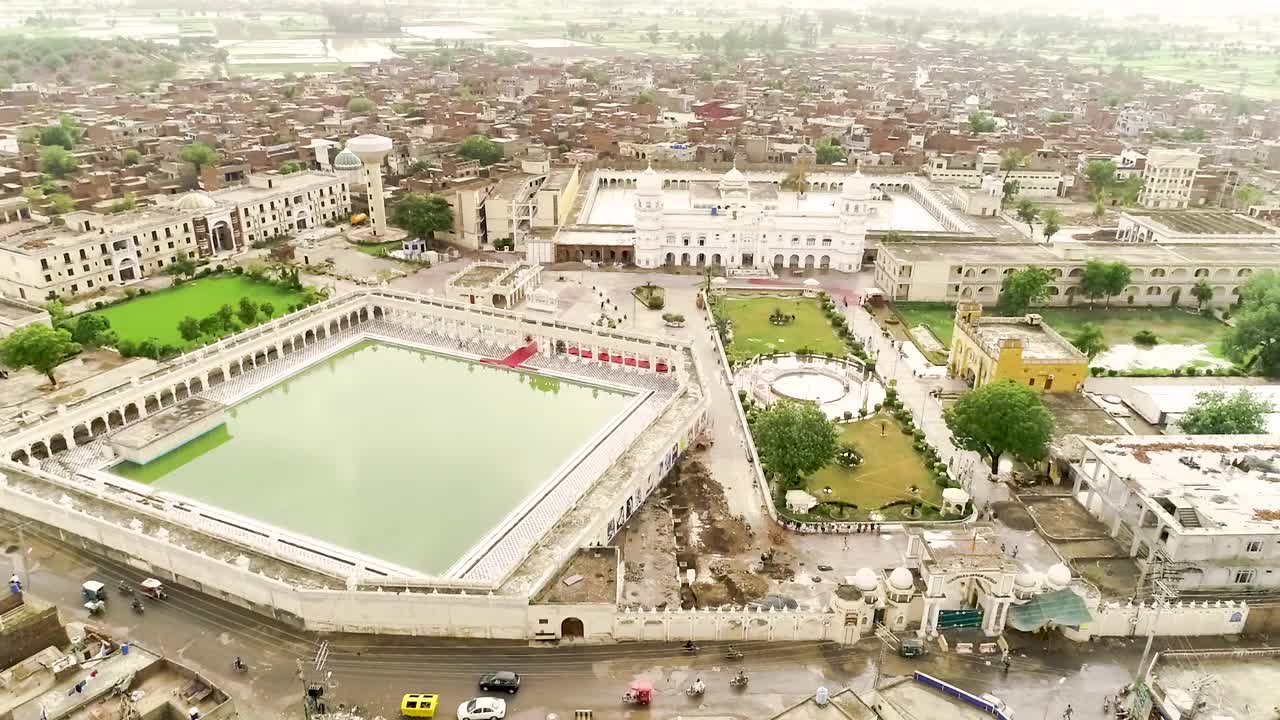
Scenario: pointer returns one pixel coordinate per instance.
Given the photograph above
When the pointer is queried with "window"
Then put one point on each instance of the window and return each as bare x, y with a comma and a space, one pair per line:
170, 244
48, 278
75, 288
82, 255
44, 263
86, 268
66, 258
1242, 577
89, 283
111, 277
1253, 546
1032, 382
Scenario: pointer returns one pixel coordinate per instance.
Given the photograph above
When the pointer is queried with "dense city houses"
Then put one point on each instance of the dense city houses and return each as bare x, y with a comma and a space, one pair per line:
1000, 280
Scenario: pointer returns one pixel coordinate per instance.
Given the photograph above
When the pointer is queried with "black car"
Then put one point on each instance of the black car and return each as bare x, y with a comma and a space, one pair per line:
503, 681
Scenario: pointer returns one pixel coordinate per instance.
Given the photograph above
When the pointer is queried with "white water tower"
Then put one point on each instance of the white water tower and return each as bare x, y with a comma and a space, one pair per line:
371, 149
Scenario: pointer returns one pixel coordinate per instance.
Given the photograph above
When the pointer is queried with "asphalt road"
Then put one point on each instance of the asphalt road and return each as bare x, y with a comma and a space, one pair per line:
372, 672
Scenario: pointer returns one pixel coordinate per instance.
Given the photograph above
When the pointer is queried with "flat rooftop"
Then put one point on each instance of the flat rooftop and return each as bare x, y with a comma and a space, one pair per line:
1238, 688
1231, 481
1075, 253
1192, 222
295, 182
175, 417
1037, 342
44, 236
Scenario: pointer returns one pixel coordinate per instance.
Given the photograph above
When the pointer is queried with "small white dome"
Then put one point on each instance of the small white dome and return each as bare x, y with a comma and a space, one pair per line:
865, 580
901, 579
346, 160
856, 187
196, 200
1058, 576
733, 180
1025, 579
650, 182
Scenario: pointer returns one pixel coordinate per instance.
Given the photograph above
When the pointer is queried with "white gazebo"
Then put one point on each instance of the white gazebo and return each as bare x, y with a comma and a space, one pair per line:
800, 501
811, 287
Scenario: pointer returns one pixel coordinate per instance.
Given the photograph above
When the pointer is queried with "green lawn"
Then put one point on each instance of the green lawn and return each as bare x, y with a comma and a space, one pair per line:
377, 249
157, 315
754, 335
1118, 324
936, 316
890, 466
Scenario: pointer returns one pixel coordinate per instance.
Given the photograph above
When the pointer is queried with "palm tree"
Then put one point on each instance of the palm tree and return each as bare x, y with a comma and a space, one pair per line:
1011, 159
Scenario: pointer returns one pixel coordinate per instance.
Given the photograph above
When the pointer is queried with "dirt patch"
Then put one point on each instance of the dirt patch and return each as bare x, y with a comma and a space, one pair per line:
1062, 518
706, 525
590, 577
1013, 515
686, 525
1115, 577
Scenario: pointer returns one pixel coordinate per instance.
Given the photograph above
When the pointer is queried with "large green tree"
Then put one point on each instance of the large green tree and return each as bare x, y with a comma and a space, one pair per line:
795, 439
422, 215
92, 329
199, 155
1217, 413
1202, 291
980, 122
1024, 288
58, 162
39, 347
481, 149
65, 134
1003, 417
1010, 159
1028, 212
1248, 195
1103, 279
1101, 175
1256, 337
360, 105
828, 153
1052, 219
1090, 340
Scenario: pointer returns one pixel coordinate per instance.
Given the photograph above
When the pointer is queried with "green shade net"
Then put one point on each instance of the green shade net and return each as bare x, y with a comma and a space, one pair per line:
1060, 607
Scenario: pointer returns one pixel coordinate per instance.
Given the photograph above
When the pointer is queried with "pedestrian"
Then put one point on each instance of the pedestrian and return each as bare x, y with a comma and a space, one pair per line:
1068, 713
1002, 548
15, 584
1015, 552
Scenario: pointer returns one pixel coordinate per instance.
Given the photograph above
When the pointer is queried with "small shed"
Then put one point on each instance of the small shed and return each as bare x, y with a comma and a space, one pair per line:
954, 501
800, 501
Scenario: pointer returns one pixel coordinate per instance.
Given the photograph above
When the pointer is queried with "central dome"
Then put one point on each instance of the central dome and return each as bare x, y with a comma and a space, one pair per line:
196, 200
856, 187
650, 182
346, 160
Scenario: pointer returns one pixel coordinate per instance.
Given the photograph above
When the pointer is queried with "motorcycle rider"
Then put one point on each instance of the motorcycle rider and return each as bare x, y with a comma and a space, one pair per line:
698, 687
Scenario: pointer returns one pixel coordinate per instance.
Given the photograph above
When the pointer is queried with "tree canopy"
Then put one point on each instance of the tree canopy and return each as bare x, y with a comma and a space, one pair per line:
998, 418
1024, 288
422, 215
1101, 175
199, 155
795, 439
65, 134
360, 105
93, 329
1090, 340
1103, 279
1256, 337
1202, 291
829, 153
980, 122
39, 347
1217, 413
481, 149
292, 166
1028, 212
57, 161
1052, 219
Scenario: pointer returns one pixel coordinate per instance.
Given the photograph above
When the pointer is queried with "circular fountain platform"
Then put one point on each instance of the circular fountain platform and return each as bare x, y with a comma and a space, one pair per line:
810, 385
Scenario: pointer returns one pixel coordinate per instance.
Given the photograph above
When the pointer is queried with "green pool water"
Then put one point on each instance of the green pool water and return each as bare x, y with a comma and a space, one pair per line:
404, 455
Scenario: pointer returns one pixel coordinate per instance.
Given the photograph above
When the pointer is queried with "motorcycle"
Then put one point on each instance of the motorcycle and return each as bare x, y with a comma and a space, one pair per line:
239, 666
732, 654
691, 649
124, 588
738, 681
696, 689
137, 606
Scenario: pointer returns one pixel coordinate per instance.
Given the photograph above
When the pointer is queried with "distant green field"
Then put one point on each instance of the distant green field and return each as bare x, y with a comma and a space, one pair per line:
1256, 75
282, 68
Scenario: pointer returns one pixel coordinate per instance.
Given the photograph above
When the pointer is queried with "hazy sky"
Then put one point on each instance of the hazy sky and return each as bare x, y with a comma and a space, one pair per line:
1180, 8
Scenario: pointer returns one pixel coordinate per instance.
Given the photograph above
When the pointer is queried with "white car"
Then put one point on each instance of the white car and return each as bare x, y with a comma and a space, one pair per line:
482, 709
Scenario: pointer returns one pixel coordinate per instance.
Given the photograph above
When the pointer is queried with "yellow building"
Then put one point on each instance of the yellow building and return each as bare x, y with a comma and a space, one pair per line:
1024, 349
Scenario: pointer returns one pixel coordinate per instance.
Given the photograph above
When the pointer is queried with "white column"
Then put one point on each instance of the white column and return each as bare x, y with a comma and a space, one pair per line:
377, 208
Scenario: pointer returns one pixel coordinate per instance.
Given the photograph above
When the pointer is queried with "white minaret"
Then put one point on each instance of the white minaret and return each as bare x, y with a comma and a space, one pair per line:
648, 202
371, 149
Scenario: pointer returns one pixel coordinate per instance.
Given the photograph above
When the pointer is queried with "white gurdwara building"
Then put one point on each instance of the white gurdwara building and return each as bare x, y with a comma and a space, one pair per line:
695, 218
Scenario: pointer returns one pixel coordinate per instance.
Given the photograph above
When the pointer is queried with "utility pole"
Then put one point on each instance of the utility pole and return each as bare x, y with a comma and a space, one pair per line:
1162, 597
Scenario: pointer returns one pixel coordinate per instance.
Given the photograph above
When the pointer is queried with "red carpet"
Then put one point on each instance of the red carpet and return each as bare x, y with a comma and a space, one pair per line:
515, 359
